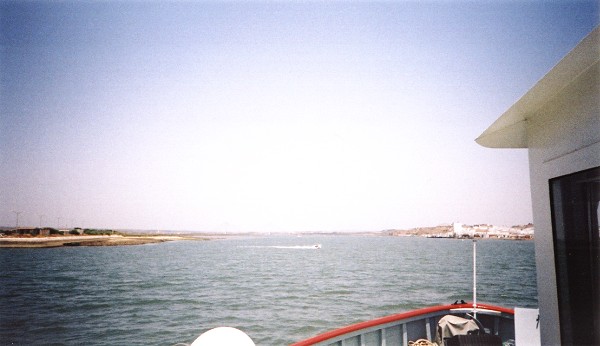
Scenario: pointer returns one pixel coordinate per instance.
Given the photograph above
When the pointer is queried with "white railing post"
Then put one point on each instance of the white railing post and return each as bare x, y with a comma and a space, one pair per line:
475, 278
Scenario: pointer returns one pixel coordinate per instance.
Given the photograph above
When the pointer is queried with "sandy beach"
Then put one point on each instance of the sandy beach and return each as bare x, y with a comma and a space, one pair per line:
86, 240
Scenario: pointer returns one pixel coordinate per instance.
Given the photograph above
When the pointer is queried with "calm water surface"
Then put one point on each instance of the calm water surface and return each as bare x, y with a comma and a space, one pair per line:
276, 289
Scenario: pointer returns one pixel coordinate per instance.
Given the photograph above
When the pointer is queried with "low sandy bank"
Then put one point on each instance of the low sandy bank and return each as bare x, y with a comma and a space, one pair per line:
83, 240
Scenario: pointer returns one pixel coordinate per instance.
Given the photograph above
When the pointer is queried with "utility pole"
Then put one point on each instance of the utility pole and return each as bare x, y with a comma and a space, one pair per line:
41, 216
17, 213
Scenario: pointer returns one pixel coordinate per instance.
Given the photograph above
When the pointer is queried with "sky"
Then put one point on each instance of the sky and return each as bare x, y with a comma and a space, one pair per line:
269, 116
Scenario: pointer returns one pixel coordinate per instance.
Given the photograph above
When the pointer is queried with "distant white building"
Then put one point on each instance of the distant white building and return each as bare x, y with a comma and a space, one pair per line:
462, 232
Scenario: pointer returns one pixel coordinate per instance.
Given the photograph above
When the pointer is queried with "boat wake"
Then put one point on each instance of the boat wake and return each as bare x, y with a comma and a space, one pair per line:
297, 247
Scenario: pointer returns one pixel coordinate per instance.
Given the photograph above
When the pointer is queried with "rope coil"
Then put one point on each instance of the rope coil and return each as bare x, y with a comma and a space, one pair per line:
421, 342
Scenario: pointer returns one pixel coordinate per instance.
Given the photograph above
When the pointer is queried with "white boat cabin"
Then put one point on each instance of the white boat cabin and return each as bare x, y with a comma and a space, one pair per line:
558, 120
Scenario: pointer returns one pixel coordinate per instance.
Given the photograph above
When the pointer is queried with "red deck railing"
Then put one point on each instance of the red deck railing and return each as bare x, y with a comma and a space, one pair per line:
395, 318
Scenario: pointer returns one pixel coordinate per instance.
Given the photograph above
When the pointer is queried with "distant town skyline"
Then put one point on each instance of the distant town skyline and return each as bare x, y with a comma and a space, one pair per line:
269, 116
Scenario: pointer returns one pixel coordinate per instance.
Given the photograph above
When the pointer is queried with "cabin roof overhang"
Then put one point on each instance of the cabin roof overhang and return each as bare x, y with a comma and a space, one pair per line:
510, 130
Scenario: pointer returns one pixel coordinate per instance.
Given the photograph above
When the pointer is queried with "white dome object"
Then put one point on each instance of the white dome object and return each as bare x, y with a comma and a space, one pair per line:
223, 336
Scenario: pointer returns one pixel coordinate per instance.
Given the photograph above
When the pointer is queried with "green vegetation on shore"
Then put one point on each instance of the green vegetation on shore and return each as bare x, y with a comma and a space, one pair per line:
91, 231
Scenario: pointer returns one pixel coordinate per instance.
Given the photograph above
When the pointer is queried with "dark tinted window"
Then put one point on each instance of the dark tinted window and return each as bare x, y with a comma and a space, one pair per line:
575, 208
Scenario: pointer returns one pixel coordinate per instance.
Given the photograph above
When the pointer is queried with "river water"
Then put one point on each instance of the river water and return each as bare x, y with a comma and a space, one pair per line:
277, 289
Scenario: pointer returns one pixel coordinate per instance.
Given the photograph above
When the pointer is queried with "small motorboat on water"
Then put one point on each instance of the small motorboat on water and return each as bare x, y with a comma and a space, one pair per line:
317, 246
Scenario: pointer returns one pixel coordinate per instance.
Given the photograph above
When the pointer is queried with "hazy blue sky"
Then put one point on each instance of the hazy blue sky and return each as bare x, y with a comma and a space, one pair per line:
269, 116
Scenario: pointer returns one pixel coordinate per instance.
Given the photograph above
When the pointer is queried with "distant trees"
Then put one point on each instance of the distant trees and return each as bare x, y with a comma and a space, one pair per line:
54, 231
98, 231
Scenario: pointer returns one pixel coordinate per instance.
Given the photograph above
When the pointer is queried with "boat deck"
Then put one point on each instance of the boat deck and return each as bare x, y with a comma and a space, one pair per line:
400, 329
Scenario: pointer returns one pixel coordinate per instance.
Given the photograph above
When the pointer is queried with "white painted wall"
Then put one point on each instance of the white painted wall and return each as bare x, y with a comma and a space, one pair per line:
527, 331
563, 137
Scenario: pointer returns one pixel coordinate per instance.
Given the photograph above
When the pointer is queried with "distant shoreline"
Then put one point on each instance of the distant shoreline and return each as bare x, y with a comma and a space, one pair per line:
89, 240
456, 231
